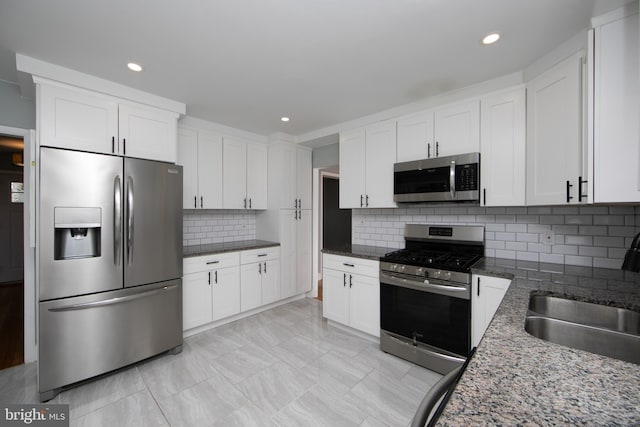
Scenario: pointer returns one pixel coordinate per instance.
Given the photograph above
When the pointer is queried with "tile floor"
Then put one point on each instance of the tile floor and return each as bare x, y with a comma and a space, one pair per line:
282, 367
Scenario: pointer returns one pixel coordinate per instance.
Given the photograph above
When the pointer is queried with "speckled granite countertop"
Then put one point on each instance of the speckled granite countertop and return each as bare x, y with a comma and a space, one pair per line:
516, 379
217, 248
360, 251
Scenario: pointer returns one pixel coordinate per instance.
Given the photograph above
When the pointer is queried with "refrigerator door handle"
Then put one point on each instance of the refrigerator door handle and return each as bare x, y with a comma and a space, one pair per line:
112, 301
130, 221
117, 220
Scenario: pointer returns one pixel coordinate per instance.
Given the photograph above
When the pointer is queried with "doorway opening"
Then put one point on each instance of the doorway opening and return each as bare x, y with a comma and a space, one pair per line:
335, 223
11, 251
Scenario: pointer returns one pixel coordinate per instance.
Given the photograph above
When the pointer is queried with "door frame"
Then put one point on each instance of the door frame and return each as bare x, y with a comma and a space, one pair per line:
29, 233
318, 174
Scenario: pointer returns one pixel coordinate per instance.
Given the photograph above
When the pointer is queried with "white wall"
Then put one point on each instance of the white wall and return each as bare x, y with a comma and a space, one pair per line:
16, 111
594, 236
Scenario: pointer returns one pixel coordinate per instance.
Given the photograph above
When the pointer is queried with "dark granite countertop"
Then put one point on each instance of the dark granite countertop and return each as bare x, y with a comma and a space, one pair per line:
360, 251
517, 379
216, 248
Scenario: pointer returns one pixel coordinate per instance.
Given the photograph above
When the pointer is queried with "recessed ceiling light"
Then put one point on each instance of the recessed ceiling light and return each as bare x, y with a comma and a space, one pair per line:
284, 119
491, 38
134, 67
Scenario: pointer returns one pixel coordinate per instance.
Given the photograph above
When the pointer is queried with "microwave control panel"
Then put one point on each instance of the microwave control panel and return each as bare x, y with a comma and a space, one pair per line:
467, 177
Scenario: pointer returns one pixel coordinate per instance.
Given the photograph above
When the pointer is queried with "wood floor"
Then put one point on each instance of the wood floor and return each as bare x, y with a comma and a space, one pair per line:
11, 324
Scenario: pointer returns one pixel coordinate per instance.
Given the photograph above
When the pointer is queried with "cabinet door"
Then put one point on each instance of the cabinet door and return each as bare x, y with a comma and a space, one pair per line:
457, 129
488, 293
352, 169
147, 132
335, 296
502, 149
196, 300
250, 286
188, 159
380, 156
303, 178
616, 93
77, 120
303, 251
257, 176
415, 137
554, 143
209, 170
364, 303
270, 281
288, 224
288, 189
234, 174
225, 295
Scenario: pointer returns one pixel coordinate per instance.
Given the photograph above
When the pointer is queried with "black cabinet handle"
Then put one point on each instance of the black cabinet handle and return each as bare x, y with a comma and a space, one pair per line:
484, 196
478, 286
209, 278
249, 203
216, 276
195, 202
361, 200
367, 198
259, 268
350, 280
212, 262
265, 268
428, 151
347, 264
580, 182
437, 147
113, 144
344, 281
124, 146
201, 201
569, 185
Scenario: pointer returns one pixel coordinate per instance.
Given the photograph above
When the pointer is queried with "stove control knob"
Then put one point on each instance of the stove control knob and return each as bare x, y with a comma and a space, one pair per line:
419, 271
447, 275
402, 267
394, 267
436, 274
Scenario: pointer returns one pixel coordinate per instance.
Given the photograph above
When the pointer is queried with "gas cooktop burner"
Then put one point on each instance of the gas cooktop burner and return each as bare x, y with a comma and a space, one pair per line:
432, 258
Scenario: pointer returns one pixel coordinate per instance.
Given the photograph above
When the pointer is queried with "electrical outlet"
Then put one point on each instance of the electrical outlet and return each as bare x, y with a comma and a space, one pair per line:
548, 238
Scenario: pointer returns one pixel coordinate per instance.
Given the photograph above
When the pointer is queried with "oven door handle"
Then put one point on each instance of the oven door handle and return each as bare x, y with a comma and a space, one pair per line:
462, 292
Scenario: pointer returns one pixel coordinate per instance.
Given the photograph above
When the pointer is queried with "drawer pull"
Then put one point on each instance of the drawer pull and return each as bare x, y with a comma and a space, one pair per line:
212, 262
348, 264
261, 255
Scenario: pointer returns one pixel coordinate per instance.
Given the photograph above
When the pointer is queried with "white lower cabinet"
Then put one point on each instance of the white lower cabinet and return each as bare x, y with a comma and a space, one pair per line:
487, 294
259, 277
211, 288
351, 292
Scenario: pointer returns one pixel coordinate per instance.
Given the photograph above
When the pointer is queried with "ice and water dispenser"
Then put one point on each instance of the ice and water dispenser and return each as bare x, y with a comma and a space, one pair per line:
77, 232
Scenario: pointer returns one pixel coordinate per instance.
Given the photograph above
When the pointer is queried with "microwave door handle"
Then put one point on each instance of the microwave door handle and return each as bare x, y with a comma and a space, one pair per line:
452, 179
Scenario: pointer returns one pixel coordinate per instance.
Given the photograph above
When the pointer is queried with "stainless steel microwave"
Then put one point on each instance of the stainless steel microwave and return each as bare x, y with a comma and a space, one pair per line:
440, 179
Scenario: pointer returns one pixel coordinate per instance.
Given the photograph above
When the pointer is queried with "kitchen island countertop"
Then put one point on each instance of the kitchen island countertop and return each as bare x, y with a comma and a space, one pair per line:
517, 379
217, 248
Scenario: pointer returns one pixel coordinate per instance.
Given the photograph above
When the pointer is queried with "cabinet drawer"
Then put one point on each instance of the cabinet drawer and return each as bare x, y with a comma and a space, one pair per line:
210, 262
259, 255
366, 267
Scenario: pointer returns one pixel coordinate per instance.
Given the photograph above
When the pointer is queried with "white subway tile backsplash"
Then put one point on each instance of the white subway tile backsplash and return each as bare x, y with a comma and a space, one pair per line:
213, 226
584, 235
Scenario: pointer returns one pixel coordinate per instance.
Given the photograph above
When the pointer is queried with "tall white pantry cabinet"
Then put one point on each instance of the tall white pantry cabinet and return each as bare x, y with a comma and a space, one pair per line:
288, 217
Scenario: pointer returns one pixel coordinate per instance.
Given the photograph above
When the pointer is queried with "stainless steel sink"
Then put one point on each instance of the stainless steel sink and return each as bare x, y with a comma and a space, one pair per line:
600, 329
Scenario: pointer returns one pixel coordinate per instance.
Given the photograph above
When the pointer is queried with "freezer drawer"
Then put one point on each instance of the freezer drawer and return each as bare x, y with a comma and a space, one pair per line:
86, 336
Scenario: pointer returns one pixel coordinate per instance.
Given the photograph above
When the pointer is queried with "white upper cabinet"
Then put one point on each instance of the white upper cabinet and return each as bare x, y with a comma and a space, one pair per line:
415, 137
244, 175
303, 178
366, 166
502, 148
554, 135
292, 176
457, 129
616, 114
83, 120
147, 132
78, 120
200, 154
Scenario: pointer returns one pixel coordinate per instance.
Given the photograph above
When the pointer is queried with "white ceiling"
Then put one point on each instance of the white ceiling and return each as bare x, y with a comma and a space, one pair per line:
246, 63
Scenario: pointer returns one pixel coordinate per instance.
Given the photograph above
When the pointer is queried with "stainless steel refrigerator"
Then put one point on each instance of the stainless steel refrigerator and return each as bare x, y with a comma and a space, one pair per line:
110, 264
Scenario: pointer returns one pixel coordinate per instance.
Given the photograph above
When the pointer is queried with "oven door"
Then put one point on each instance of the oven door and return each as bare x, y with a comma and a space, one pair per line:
436, 315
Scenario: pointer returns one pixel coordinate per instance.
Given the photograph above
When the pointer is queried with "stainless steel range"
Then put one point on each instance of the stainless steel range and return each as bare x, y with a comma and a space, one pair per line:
425, 295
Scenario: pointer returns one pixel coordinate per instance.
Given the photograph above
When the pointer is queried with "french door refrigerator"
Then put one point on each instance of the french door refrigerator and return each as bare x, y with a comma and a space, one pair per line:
109, 264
